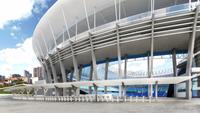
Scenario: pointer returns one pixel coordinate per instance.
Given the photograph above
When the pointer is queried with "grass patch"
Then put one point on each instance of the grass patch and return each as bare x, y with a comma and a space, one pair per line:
4, 92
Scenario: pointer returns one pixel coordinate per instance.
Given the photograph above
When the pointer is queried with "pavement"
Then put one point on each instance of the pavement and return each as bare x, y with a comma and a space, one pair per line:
173, 106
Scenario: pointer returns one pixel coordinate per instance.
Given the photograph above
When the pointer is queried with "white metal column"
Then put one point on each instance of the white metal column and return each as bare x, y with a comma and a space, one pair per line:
190, 55
90, 78
125, 66
119, 58
174, 68
156, 90
150, 71
106, 74
93, 58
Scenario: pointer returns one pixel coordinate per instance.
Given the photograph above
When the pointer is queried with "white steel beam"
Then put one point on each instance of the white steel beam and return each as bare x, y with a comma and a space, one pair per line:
62, 68
106, 74
86, 14
125, 66
49, 79
190, 55
51, 64
150, 74
93, 58
90, 78
174, 68
75, 64
119, 58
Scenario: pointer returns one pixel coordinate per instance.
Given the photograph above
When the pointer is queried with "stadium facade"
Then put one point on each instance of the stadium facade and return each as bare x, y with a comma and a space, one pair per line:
74, 37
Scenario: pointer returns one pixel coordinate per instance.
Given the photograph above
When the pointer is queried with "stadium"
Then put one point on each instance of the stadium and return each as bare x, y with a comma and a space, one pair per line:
87, 47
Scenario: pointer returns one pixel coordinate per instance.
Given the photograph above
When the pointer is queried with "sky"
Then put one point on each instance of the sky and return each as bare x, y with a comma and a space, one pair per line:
18, 20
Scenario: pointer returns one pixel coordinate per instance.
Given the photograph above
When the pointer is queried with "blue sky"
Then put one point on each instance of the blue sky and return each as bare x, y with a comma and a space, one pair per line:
18, 20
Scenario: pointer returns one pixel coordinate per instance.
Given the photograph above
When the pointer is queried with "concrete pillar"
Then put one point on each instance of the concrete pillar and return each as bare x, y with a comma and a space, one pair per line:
71, 75
53, 70
174, 68
123, 91
45, 91
79, 78
150, 87
49, 79
90, 78
151, 56
125, 66
74, 89
80, 71
96, 91
190, 55
106, 74
119, 58
95, 77
197, 61
35, 91
156, 90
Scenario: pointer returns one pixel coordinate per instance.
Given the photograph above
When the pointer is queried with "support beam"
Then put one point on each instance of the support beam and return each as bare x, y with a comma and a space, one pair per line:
106, 74
75, 64
60, 61
96, 91
150, 71
86, 14
125, 66
53, 70
80, 71
71, 75
119, 58
156, 90
45, 91
90, 78
94, 64
190, 55
49, 79
174, 68
74, 88
123, 90
36, 92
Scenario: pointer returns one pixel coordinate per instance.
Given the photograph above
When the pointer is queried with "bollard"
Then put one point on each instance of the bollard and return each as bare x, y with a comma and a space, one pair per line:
131, 99
136, 99
149, 99
117, 99
143, 99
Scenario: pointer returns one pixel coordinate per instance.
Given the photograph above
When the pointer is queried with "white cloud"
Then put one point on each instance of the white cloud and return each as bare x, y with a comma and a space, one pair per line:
15, 28
12, 34
12, 10
39, 6
16, 60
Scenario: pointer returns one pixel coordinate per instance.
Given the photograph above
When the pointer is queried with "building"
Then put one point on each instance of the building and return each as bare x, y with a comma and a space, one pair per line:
28, 75
16, 76
2, 78
38, 72
75, 37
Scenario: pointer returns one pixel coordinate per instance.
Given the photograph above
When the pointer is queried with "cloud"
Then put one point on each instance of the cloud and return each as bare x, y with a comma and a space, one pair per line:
15, 28
16, 60
13, 10
39, 6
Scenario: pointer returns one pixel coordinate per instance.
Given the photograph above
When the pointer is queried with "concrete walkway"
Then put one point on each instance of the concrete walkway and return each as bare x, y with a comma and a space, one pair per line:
184, 106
